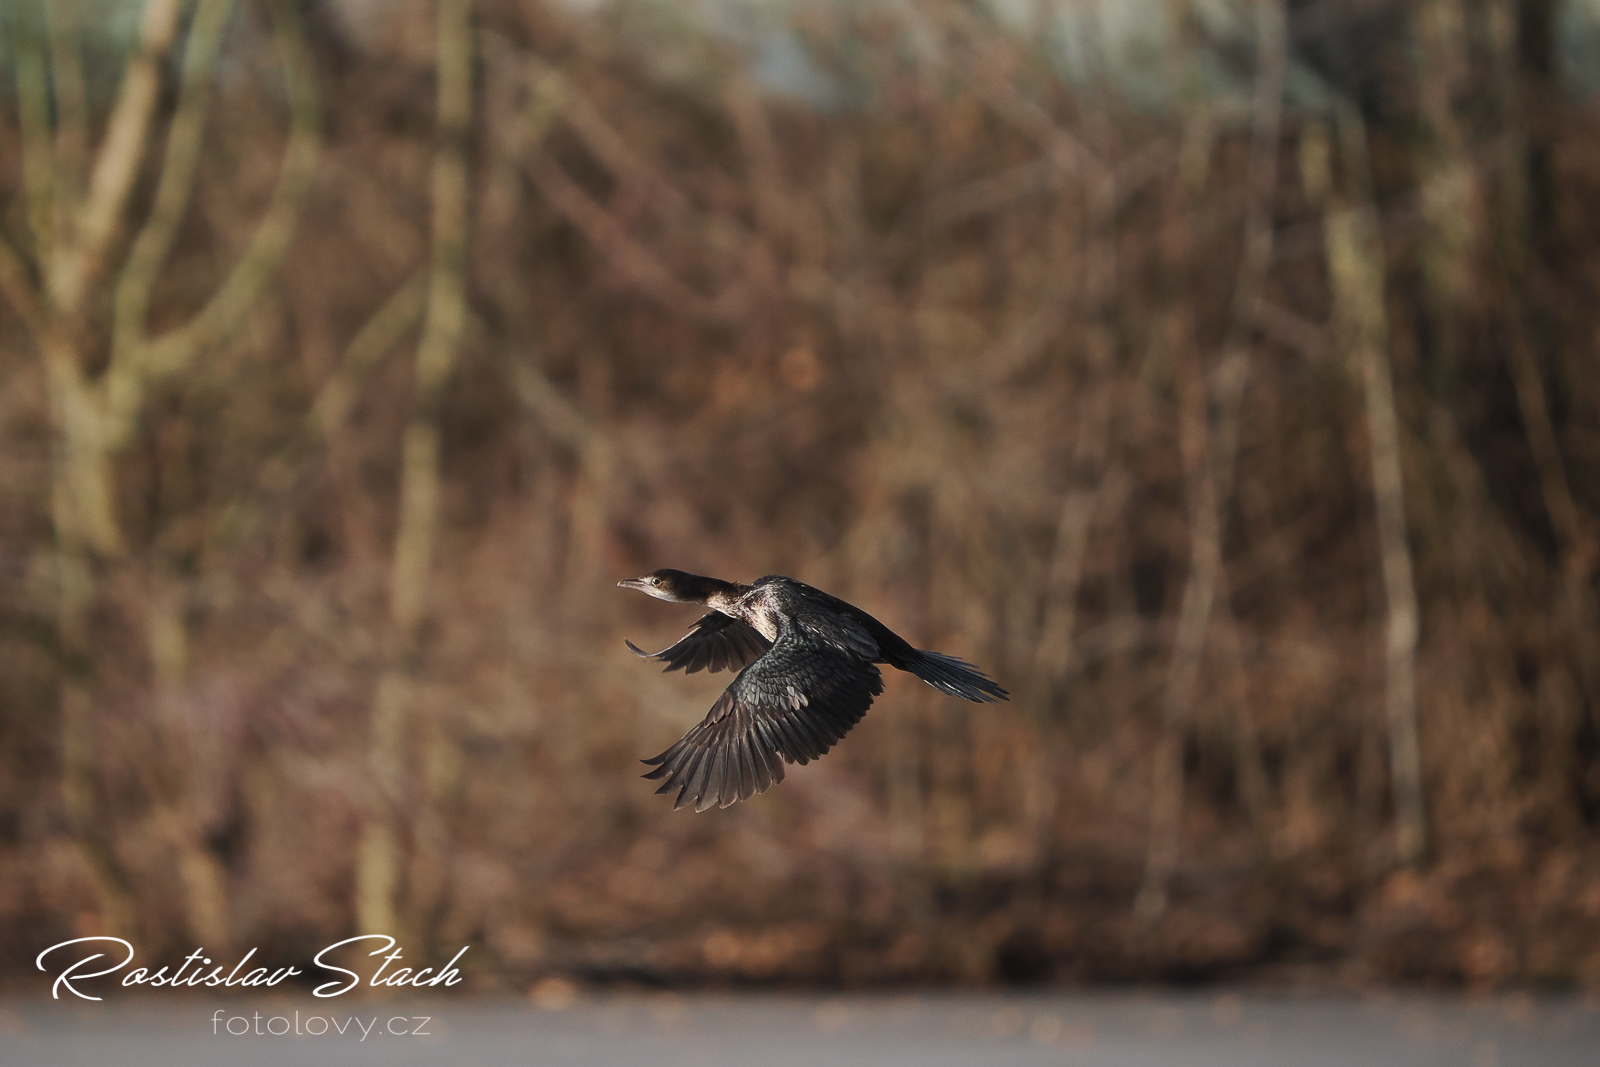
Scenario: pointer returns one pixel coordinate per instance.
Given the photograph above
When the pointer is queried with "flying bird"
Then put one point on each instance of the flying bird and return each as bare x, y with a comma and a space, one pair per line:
807, 664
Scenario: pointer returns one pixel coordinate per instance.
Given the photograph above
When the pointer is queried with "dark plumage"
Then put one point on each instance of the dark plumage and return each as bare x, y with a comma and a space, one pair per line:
808, 671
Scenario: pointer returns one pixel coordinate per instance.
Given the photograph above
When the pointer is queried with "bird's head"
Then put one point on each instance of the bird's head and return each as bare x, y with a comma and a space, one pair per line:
668, 584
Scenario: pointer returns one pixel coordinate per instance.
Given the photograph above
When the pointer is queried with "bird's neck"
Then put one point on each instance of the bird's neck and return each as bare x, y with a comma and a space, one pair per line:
719, 595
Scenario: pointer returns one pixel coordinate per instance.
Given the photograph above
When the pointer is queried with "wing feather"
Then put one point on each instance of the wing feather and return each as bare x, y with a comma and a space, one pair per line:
715, 642
760, 773
717, 781
747, 768
791, 704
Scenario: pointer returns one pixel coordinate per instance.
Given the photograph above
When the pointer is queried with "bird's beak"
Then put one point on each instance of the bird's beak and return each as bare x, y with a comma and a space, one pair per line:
635, 583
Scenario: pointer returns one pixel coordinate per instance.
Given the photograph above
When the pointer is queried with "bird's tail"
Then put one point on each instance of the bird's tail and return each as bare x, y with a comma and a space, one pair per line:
956, 677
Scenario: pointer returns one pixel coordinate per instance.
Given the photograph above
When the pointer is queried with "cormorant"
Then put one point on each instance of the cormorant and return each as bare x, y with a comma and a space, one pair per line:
808, 674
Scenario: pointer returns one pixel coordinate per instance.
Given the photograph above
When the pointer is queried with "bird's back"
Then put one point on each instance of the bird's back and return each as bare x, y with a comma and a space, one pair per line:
826, 620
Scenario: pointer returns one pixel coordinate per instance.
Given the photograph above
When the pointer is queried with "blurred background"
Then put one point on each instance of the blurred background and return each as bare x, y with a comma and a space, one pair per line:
1218, 374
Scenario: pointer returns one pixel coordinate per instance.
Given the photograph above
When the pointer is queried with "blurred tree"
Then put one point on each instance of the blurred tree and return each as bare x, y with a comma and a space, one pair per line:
1356, 276
399, 742
1271, 500
1210, 409
82, 210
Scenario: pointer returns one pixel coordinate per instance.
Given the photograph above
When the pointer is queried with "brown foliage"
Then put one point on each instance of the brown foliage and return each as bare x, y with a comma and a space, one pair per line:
957, 349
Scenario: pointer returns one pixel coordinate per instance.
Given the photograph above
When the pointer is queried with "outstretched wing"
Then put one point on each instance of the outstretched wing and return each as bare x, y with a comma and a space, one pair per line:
789, 706
716, 642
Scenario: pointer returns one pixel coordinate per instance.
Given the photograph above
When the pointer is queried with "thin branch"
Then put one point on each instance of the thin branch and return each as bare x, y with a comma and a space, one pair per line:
20, 290
378, 864
992, 193
376, 338
556, 96
275, 233
1055, 653
1284, 326
371, 343
1254, 790
258, 265
547, 89
560, 417
72, 132
38, 152
612, 148
1562, 510
117, 166
173, 190
1183, 667
1019, 347
768, 189
985, 71
445, 318
611, 237
1575, 543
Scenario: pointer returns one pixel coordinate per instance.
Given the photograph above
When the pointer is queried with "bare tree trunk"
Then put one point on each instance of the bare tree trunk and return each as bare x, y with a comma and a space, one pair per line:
77, 212
378, 889
82, 497
1577, 548
202, 875
1194, 621
1523, 213
1209, 435
1356, 276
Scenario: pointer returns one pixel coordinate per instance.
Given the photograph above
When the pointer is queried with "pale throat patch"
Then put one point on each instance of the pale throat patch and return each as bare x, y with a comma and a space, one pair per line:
756, 611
